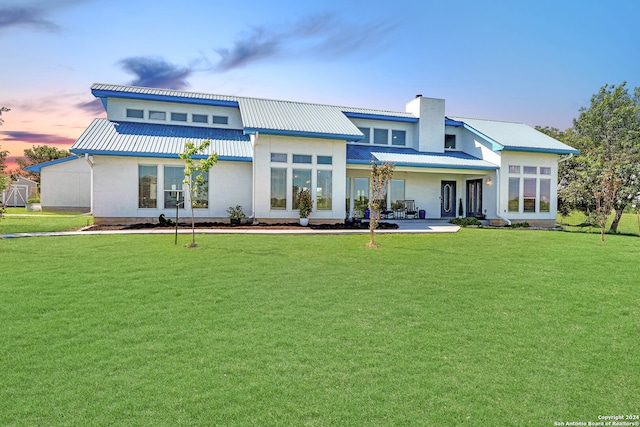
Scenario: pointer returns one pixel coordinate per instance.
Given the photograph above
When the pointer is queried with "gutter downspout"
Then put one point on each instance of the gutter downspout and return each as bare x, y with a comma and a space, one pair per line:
564, 159
254, 140
90, 163
508, 221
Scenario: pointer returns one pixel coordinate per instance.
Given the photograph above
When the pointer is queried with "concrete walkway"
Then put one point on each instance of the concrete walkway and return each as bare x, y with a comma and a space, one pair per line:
404, 227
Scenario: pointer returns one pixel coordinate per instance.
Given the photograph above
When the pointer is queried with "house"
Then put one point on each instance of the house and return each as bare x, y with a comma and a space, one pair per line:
19, 192
65, 184
269, 149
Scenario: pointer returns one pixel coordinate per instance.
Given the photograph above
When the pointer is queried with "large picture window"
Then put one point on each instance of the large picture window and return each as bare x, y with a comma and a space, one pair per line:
529, 199
545, 195
397, 190
514, 194
301, 181
360, 193
324, 190
173, 193
147, 186
278, 188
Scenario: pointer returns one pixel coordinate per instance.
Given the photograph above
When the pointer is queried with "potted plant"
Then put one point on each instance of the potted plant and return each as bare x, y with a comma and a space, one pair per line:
33, 204
236, 215
305, 206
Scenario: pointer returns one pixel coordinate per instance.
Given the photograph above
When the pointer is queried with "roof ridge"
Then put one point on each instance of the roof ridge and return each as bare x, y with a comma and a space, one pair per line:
484, 120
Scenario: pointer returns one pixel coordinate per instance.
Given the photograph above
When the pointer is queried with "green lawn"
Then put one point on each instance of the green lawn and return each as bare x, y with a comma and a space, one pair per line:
575, 222
477, 328
18, 220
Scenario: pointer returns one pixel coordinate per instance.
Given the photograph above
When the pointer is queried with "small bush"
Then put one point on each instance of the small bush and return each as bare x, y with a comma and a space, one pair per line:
520, 225
464, 222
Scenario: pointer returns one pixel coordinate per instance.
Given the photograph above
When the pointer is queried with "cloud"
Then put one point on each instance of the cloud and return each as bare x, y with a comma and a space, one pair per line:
93, 107
322, 35
156, 72
35, 138
26, 16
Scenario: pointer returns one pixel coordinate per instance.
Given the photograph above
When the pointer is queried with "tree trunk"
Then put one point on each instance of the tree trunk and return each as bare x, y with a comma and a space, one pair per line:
616, 220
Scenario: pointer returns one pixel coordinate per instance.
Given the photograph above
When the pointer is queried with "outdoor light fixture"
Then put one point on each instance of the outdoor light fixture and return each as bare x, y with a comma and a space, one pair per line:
489, 182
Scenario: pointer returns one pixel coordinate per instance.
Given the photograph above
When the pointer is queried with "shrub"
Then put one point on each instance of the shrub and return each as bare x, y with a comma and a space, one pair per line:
464, 222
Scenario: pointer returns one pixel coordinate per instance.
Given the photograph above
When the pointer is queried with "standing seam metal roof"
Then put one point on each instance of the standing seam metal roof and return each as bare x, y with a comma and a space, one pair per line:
153, 140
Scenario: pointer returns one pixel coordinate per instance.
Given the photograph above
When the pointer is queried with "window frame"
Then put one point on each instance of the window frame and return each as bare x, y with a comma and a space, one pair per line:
377, 132
200, 116
448, 137
327, 177
280, 196
131, 110
173, 116
151, 190
159, 114
219, 120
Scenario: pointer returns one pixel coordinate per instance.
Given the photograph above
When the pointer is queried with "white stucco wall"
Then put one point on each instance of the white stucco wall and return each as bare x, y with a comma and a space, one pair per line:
66, 186
116, 188
117, 111
267, 144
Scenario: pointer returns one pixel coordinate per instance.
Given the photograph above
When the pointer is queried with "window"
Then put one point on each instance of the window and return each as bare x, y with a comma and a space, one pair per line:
200, 118
514, 194
474, 197
545, 171
381, 136
201, 197
179, 117
301, 158
360, 193
530, 170
529, 198
324, 190
173, 177
397, 190
325, 160
136, 114
301, 181
545, 195
157, 115
449, 142
279, 157
514, 169
147, 186
278, 188
398, 137
220, 120
367, 135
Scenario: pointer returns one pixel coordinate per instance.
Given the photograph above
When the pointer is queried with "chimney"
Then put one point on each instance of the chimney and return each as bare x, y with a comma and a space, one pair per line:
429, 134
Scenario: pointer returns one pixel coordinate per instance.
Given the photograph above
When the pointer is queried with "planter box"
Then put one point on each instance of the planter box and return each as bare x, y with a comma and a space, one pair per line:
34, 207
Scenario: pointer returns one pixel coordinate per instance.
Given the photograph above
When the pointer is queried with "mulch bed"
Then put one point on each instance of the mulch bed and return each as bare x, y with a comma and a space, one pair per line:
283, 226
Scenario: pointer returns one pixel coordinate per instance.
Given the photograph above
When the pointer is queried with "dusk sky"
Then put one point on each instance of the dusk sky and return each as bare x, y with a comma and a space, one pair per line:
531, 61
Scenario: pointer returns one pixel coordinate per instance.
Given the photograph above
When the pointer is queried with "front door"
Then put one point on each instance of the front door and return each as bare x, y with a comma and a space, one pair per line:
448, 199
474, 197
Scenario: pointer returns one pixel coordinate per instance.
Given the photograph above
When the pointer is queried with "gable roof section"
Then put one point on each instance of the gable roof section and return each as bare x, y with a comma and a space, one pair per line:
153, 140
516, 136
37, 168
362, 154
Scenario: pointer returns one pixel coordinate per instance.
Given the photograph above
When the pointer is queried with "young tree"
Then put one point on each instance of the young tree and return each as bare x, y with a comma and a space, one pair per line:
4, 180
380, 176
194, 172
605, 195
36, 155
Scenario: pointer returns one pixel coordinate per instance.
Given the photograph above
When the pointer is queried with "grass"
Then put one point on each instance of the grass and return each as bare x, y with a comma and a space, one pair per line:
575, 222
18, 220
481, 327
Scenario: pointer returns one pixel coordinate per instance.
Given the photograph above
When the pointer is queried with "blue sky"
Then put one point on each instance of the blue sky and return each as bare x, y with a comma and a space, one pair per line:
535, 62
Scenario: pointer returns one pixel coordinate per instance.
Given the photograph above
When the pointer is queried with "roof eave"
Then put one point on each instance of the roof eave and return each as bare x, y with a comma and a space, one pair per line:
100, 93
541, 150
304, 134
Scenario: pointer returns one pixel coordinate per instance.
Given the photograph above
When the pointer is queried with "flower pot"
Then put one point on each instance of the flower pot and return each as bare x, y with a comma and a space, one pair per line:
304, 222
235, 221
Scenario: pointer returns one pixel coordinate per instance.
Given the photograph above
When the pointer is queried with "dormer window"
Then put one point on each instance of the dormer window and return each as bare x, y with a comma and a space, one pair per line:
449, 142
135, 114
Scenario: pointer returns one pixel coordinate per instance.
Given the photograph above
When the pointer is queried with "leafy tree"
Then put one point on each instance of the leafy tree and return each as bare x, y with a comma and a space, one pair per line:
610, 130
608, 137
380, 176
605, 195
3, 110
39, 154
194, 176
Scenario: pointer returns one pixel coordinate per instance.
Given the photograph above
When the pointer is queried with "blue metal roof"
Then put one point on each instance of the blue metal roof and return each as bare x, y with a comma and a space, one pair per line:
37, 168
362, 154
157, 140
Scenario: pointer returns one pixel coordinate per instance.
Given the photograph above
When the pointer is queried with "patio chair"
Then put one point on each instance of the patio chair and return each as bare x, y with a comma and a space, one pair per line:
410, 209
384, 212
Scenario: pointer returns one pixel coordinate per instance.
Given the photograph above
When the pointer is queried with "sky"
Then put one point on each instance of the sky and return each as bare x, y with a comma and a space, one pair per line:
531, 61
